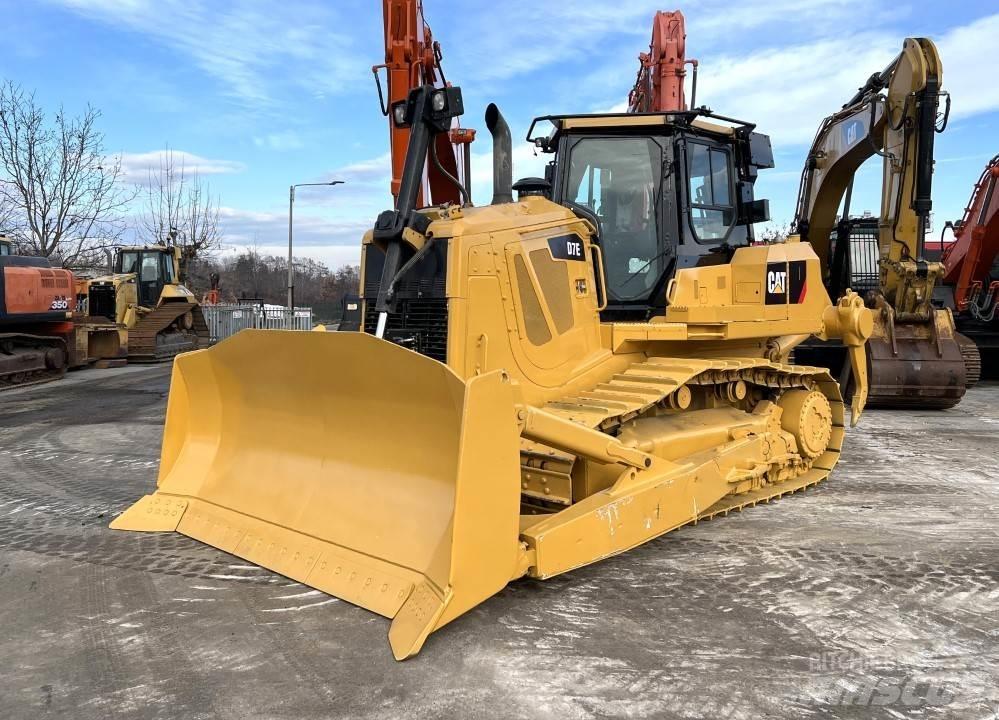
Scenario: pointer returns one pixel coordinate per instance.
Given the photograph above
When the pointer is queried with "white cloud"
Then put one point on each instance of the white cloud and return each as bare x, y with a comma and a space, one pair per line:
787, 91
971, 67
136, 167
287, 140
595, 31
377, 170
329, 221
253, 49
313, 233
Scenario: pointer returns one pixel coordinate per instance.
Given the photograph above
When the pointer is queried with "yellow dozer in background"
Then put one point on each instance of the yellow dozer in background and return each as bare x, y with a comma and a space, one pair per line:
538, 384
158, 317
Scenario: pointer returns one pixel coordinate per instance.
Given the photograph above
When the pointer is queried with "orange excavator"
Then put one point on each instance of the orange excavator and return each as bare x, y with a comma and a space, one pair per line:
36, 318
970, 262
661, 71
413, 59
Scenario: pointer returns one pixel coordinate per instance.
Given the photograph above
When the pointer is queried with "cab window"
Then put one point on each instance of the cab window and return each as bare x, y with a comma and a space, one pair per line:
167, 260
149, 270
128, 262
711, 211
619, 180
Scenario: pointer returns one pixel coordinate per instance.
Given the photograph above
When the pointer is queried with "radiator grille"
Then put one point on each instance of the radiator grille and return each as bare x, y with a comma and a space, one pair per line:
420, 318
101, 300
419, 325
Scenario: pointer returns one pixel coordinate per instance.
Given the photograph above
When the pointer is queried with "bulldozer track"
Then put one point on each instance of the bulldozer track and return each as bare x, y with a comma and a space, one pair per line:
644, 385
142, 345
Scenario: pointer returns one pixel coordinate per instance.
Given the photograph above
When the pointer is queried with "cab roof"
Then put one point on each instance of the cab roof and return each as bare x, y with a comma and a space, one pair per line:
698, 119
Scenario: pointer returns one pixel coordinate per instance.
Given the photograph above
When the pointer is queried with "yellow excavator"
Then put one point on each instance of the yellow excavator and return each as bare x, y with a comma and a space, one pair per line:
538, 384
916, 358
158, 317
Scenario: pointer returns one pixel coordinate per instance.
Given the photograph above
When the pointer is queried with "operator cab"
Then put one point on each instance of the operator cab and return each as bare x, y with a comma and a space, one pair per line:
667, 191
153, 269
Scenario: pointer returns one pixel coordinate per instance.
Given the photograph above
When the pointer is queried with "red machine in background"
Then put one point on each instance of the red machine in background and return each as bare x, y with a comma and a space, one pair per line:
659, 85
412, 59
971, 262
970, 258
36, 310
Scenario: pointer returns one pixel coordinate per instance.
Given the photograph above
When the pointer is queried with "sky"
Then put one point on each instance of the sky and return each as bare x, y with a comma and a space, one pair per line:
257, 95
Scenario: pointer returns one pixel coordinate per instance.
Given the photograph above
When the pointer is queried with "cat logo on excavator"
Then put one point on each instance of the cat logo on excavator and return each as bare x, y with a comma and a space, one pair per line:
508, 410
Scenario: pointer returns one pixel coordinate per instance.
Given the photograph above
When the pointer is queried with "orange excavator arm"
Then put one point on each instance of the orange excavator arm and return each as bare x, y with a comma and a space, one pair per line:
412, 59
970, 257
659, 85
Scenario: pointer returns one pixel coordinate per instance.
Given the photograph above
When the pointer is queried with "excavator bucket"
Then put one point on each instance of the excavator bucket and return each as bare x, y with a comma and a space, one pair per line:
914, 368
347, 463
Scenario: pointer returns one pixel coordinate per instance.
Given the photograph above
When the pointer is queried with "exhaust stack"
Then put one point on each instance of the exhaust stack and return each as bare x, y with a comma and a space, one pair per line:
502, 155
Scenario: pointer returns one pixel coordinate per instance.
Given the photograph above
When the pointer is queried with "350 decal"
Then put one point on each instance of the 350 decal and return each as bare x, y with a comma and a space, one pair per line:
59, 302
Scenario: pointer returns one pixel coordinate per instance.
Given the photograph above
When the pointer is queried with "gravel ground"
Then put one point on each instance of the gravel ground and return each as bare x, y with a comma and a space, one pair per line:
874, 595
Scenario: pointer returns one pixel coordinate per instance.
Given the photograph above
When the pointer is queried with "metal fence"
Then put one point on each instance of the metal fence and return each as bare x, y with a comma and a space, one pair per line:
226, 320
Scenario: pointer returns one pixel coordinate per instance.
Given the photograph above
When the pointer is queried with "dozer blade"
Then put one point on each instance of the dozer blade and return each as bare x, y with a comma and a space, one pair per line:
346, 463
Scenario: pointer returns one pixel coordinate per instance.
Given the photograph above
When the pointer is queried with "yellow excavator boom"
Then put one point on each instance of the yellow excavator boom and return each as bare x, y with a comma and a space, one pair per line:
916, 357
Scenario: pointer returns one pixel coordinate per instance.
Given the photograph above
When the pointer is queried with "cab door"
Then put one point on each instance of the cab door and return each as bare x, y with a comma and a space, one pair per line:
150, 278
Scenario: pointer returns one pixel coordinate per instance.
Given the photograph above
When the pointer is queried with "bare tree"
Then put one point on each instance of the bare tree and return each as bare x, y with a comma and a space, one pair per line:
181, 206
775, 232
8, 215
62, 191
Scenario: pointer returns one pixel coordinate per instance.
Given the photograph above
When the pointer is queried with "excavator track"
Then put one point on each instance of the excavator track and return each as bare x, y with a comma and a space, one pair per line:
34, 359
145, 340
972, 360
641, 387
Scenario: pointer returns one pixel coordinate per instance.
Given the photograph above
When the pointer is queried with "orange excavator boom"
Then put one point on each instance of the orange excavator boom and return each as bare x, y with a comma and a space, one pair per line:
661, 71
413, 59
970, 257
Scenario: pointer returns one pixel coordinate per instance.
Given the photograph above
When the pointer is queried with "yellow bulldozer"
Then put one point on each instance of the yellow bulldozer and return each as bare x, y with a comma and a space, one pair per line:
538, 383
157, 316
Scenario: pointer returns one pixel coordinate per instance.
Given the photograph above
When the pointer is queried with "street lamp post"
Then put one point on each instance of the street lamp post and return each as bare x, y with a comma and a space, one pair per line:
291, 267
